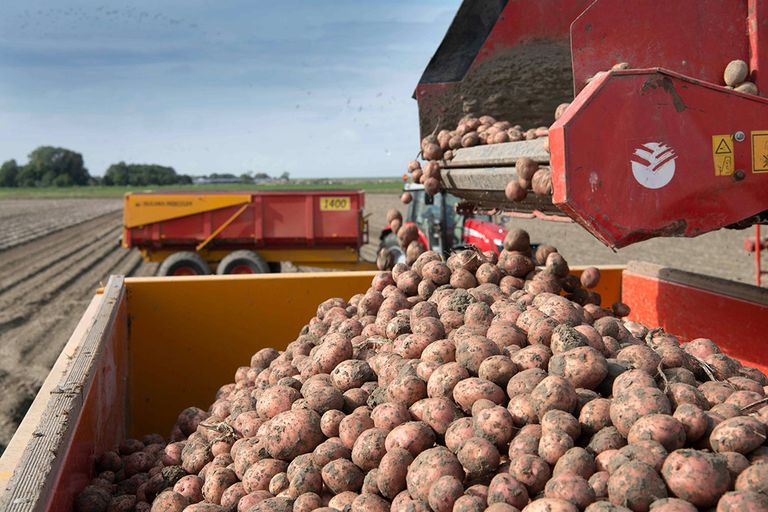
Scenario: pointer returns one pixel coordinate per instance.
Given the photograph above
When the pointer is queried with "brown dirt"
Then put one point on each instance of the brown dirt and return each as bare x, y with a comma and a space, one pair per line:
49, 274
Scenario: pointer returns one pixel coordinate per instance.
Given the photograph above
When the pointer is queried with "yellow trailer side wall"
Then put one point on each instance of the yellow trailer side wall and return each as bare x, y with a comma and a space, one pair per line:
187, 336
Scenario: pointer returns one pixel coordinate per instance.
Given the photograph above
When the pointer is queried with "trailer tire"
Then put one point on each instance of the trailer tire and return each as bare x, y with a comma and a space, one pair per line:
242, 262
184, 263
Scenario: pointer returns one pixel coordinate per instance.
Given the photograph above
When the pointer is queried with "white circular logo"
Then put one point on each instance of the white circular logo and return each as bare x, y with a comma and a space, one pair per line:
653, 164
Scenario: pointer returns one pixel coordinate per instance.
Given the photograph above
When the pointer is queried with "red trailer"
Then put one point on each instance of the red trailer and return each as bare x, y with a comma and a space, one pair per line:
243, 233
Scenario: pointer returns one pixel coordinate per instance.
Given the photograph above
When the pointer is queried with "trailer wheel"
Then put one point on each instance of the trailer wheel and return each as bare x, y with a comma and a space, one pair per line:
184, 263
242, 262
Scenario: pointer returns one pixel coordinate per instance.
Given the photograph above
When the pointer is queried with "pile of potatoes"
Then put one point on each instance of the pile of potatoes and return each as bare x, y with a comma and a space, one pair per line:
470, 131
475, 383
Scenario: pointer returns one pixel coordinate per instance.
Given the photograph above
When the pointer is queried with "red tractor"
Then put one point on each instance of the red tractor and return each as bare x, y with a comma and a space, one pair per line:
442, 228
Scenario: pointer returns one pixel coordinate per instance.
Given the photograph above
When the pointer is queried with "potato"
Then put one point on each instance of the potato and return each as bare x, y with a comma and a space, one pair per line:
369, 448
352, 426
258, 476
471, 351
553, 445
663, 428
478, 456
372, 502
635, 485
468, 391
444, 493
533, 356
607, 438
428, 467
407, 389
389, 415
735, 73
494, 424
329, 422
571, 488
583, 367
575, 461
216, 482
307, 502
550, 505
696, 476
504, 488
589, 278
515, 264
515, 191
649, 452
635, 403
754, 478
530, 470
392, 470
342, 475
329, 450
740, 434
595, 415
742, 501
438, 413
554, 393
413, 436
292, 433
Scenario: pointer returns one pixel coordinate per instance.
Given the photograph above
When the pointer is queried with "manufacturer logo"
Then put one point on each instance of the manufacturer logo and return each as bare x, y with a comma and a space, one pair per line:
653, 164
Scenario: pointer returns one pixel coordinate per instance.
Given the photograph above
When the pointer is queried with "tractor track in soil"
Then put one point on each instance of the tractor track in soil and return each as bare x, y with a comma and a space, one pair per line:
45, 285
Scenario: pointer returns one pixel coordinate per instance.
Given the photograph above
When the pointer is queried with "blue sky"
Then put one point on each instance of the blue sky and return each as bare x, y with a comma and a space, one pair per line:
314, 88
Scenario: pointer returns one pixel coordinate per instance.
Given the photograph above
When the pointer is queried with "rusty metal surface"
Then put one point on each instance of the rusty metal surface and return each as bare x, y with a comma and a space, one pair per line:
492, 155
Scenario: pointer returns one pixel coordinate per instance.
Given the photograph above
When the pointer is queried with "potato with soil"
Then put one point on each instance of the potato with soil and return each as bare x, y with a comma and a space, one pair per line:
696, 476
428, 467
635, 485
392, 471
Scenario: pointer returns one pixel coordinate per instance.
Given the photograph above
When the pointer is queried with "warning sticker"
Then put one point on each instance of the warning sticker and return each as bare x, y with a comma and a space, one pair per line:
722, 154
760, 151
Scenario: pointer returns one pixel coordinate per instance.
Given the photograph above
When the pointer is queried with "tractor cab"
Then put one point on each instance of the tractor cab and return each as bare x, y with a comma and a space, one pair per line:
442, 228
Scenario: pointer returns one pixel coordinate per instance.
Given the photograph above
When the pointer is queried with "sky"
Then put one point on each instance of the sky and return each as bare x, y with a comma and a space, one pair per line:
314, 88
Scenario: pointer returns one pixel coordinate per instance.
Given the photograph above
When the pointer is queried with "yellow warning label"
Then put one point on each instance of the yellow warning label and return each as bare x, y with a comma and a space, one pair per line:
760, 151
722, 154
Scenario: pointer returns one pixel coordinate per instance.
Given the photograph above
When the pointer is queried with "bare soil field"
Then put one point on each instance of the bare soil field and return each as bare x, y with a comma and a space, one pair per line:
22, 220
50, 266
55, 253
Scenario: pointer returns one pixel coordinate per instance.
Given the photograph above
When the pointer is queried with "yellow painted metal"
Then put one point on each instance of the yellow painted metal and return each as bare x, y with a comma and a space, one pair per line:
143, 209
221, 228
609, 286
188, 335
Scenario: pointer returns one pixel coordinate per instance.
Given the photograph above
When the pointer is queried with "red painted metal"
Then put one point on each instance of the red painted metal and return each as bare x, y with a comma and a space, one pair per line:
523, 22
697, 38
757, 24
594, 144
274, 220
738, 326
758, 248
484, 235
100, 426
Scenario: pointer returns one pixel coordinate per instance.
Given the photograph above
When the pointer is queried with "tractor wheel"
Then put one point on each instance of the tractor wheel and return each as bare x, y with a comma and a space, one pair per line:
242, 262
184, 263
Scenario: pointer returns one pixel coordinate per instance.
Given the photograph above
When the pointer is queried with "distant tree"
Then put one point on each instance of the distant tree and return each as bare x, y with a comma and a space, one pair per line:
261, 176
123, 174
9, 173
246, 177
52, 166
285, 176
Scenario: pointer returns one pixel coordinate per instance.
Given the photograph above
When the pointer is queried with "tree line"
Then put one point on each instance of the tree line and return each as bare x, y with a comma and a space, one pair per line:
50, 166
